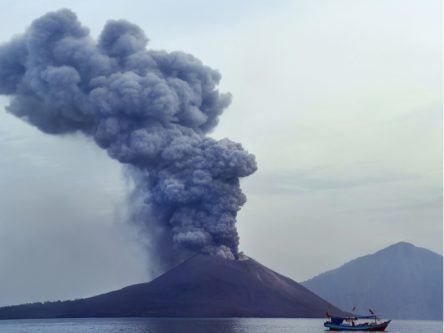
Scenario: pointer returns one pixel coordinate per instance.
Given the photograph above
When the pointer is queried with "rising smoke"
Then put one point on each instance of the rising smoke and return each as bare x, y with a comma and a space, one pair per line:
150, 110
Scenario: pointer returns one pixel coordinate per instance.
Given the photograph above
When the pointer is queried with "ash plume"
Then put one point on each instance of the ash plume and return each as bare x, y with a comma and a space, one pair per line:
150, 110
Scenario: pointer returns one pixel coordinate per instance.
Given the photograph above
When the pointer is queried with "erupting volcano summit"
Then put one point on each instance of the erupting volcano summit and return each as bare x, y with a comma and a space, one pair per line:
202, 286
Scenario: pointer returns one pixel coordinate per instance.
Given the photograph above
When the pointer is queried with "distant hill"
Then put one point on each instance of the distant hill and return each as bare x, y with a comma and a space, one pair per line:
202, 286
401, 281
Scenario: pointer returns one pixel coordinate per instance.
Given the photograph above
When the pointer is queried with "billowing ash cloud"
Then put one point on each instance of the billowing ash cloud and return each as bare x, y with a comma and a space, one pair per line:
150, 110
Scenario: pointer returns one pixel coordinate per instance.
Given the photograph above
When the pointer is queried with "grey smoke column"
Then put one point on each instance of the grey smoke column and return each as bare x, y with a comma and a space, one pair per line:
150, 110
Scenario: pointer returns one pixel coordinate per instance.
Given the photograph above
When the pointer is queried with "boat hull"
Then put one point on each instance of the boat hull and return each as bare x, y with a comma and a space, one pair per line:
362, 327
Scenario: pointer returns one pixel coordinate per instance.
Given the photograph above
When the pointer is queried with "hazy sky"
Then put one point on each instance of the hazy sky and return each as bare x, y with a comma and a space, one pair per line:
340, 101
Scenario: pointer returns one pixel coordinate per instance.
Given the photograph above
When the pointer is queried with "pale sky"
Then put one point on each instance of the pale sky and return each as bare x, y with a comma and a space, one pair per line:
340, 101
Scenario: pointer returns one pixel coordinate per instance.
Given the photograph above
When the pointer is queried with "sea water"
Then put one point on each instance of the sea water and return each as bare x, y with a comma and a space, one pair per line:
193, 325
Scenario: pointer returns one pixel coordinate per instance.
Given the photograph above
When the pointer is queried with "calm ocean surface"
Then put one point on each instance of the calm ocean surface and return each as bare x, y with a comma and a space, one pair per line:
161, 325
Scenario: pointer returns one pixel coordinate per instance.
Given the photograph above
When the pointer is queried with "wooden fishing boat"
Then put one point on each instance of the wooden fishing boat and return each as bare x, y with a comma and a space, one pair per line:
352, 323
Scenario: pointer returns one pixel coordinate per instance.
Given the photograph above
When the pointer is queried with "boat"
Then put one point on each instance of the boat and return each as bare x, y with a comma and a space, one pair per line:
352, 323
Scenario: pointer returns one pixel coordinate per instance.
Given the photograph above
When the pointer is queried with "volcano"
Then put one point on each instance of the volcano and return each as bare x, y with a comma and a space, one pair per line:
202, 286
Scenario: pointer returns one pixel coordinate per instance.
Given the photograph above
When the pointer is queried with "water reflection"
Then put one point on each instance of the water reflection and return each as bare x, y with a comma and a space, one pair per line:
189, 325
193, 325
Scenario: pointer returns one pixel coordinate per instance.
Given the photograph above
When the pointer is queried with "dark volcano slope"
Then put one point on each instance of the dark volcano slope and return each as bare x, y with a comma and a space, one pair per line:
202, 286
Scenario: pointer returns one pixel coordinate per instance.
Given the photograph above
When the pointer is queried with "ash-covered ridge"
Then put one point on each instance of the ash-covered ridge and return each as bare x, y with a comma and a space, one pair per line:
150, 110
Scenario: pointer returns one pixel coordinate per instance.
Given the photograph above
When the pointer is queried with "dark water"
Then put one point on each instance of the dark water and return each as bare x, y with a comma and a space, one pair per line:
188, 325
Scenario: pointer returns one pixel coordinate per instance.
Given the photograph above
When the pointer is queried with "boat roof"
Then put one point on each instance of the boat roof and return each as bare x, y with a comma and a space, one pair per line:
356, 317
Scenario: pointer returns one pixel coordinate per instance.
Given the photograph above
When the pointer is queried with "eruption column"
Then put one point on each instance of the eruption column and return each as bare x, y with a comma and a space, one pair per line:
150, 110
